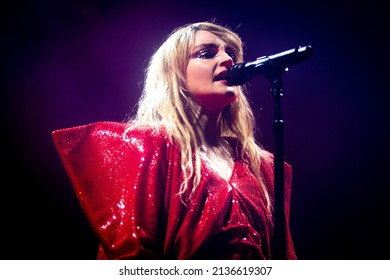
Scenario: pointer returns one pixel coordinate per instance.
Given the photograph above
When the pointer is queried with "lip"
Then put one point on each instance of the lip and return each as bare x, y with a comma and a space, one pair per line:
221, 76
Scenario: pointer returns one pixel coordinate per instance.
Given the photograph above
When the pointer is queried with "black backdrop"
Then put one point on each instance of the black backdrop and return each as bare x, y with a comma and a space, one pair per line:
68, 63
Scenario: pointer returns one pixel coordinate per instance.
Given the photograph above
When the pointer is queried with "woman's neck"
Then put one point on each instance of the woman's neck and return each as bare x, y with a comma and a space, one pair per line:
208, 128
214, 149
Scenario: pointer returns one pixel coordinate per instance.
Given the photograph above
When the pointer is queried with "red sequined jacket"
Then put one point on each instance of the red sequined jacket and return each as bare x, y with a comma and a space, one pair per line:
128, 190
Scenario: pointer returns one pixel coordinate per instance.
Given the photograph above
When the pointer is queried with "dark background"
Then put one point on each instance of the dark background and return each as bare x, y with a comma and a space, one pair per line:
68, 63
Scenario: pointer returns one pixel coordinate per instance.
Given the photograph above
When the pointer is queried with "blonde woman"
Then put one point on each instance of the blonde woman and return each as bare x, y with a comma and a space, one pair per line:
184, 177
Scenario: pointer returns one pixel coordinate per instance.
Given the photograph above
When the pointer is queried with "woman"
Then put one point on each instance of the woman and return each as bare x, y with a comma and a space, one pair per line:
184, 178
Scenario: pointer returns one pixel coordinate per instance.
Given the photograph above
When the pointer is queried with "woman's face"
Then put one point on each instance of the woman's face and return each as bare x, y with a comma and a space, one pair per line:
210, 58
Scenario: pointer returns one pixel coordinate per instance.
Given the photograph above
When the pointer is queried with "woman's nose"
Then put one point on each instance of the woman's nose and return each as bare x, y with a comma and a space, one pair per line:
226, 59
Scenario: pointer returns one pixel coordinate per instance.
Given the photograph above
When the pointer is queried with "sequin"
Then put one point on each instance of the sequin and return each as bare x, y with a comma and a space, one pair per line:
128, 186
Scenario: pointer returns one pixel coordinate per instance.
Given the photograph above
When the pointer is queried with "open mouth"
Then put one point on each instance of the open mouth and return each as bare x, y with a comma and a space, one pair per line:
221, 76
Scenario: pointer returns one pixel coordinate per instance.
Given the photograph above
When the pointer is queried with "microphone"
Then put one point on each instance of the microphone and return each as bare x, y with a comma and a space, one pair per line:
267, 66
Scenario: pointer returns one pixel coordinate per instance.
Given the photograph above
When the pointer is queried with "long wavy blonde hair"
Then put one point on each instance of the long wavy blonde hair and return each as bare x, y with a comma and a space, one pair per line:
165, 102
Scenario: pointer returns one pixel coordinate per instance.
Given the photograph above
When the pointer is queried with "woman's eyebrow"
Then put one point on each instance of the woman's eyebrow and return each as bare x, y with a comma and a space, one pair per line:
206, 45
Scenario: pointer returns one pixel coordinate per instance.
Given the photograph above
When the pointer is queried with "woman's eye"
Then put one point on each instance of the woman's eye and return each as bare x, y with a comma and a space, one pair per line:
205, 54
210, 53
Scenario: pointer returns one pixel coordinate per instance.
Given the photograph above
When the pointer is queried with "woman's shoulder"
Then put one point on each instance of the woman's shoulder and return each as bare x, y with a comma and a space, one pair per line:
111, 128
108, 133
96, 129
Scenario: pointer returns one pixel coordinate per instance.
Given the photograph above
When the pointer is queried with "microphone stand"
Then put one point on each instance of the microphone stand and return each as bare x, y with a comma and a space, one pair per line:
273, 67
278, 240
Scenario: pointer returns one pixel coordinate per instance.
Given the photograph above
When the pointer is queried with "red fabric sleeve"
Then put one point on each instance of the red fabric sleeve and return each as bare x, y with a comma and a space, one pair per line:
109, 177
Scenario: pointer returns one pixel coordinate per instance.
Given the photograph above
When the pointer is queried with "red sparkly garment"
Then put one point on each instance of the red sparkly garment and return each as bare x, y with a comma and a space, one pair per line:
128, 187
